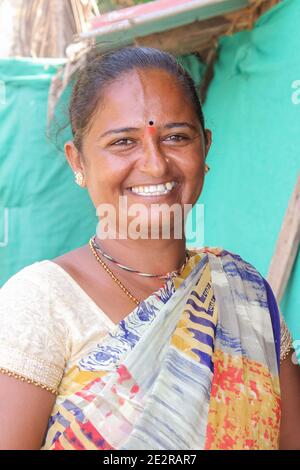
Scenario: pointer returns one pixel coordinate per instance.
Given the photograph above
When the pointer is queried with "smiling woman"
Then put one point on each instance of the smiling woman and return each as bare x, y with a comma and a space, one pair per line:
131, 341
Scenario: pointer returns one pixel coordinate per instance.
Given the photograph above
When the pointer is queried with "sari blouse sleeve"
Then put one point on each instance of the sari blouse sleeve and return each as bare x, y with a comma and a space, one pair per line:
32, 338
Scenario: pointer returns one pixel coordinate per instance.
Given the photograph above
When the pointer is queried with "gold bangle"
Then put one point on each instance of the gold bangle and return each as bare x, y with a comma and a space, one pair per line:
29, 381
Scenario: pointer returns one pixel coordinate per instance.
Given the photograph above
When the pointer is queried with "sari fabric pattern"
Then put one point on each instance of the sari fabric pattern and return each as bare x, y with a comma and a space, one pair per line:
192, 367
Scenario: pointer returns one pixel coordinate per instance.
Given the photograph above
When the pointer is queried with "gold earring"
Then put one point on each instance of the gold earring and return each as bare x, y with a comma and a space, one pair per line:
207, 168
79, 178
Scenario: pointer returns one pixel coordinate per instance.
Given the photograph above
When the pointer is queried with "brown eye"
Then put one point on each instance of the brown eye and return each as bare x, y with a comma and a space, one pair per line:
122, 142
176, 138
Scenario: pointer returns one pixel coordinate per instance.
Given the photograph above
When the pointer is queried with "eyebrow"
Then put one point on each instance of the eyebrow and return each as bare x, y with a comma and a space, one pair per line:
169, 125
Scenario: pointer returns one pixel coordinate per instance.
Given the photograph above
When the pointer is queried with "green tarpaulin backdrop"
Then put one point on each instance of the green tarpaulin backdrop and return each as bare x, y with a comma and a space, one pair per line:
255, 119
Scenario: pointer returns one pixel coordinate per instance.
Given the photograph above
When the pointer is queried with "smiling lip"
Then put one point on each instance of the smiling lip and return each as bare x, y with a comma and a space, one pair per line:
160, 189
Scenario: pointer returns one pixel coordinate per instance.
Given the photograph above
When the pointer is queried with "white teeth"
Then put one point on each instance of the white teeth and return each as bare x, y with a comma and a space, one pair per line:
154, 190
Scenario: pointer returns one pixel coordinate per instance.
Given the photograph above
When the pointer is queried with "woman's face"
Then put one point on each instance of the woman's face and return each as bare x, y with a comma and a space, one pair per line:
124, 156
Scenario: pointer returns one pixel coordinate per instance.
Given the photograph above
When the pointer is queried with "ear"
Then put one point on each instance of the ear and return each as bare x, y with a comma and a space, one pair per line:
208, 141
73, 157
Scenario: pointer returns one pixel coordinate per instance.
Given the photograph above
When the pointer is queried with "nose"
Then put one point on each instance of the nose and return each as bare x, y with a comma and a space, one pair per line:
152, 161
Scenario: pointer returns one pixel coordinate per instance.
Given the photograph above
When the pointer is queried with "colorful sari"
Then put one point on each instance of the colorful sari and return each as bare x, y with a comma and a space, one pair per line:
196, 368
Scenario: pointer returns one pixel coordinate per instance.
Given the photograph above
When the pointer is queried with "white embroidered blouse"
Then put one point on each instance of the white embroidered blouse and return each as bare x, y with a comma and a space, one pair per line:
42, 334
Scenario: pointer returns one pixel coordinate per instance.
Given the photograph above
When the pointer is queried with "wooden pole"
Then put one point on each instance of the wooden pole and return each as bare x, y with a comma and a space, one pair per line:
286, 247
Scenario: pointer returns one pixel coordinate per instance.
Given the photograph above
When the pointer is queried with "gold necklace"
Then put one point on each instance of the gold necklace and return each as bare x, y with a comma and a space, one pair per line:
117, 281
135, 271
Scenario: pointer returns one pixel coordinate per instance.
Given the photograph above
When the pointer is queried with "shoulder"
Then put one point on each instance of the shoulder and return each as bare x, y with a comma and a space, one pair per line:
26, 300
41, 277
34, 283
226, 256
245, 279
34, 275
234, 265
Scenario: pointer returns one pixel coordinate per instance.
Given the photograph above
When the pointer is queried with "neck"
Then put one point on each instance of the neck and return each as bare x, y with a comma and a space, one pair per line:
148, 256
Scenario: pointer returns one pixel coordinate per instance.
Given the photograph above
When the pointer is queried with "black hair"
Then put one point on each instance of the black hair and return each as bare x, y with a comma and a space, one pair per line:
101, 69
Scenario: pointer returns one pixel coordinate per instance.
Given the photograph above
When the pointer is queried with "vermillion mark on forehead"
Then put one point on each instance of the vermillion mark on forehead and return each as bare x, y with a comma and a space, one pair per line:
149, 100
151, 128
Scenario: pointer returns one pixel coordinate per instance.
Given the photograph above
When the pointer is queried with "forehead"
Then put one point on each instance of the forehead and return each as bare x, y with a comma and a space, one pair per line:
149, 94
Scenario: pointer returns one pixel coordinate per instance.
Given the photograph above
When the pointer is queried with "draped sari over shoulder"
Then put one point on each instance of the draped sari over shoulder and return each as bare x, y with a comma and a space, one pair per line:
197, 368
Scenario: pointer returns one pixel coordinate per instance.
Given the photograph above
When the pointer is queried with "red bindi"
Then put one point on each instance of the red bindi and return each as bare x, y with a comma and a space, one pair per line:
151, 128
